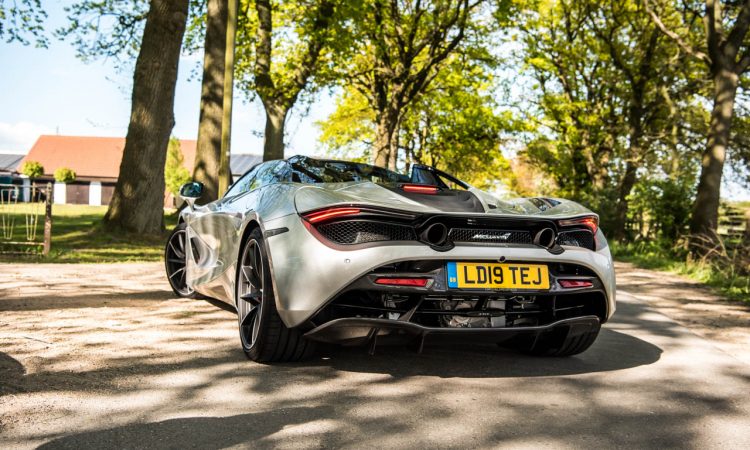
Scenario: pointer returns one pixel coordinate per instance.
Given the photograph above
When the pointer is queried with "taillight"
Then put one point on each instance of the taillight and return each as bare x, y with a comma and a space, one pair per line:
414, 282
419, 188
569, 284
590, 222
330, 213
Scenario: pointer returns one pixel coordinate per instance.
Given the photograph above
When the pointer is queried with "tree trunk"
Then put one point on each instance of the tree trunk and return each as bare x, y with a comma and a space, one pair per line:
384, 137
626, 186
706, 208
273, 142
138, 200
208, 148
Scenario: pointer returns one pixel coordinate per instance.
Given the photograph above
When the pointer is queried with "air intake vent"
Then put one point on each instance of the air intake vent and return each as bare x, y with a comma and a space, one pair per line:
360, 232
578, 238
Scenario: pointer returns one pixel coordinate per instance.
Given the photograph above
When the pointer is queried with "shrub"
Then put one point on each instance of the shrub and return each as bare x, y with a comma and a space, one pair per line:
64, 175
32, 169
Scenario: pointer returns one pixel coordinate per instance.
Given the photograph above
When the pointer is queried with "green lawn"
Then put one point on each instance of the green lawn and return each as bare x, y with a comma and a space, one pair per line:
78, 237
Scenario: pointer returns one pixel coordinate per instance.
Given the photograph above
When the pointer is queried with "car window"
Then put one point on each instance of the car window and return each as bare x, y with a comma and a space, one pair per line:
271, 172
244, 184
309, 170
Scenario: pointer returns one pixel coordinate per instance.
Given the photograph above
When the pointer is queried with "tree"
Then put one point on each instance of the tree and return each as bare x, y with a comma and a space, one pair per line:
208, 154
21, 19
137, 201
280, 52
110, 29
175, 173
452, 125
398, 49
32, 169
64, 175
615, 94
726, 54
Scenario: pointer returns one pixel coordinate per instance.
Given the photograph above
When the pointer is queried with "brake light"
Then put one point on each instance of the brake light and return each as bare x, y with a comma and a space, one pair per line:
415, 282
331, 213
590, 222
569, 284
419, 188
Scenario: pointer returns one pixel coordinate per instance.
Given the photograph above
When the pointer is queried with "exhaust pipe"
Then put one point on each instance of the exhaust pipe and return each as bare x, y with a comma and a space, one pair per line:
545, 238
436, 234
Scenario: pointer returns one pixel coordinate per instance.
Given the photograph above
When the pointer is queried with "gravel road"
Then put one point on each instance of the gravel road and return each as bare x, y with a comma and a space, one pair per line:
104, 356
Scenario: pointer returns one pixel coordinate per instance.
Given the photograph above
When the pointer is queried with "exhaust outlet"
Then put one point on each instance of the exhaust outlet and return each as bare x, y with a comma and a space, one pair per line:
545, 238
436, 234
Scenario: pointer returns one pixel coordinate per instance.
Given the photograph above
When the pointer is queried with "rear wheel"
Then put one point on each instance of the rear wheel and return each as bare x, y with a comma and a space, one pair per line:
263, 335
175, 262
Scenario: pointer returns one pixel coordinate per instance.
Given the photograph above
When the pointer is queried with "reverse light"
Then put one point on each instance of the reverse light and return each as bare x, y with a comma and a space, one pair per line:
570, 284
331, 213
590, 222
414, 282
419, 188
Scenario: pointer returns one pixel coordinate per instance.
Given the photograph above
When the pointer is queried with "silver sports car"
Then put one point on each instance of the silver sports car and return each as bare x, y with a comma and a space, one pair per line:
311, 250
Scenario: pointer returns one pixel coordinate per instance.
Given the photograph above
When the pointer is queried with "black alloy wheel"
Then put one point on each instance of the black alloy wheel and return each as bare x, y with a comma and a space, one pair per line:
263, 335
175, 261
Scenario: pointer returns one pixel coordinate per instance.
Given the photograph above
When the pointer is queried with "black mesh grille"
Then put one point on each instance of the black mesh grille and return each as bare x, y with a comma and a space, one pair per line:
580, 238
360, 232
490, 236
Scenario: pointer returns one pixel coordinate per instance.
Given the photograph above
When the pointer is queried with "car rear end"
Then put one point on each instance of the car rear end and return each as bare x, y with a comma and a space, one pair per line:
363, 272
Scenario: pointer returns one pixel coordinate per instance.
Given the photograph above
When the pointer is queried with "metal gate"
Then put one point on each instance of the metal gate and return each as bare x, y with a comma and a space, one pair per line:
25, 219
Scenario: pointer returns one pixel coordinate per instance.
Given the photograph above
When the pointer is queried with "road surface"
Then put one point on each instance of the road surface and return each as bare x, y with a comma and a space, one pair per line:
104, 356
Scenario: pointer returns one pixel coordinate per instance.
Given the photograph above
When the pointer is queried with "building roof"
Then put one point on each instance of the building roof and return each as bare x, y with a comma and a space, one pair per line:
242, 162
9, 163
89, 156
99, 157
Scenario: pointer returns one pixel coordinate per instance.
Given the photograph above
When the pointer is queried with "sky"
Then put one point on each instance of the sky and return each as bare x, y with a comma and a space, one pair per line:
50, 91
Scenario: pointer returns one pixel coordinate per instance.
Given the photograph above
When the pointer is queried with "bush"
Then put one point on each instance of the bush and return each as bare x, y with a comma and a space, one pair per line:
32, 169
64, 175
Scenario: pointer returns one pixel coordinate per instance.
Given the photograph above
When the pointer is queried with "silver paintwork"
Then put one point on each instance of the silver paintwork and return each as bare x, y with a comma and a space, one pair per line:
307, 273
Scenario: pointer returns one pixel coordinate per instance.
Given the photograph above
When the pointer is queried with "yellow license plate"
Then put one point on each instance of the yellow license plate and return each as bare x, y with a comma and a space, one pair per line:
497, 276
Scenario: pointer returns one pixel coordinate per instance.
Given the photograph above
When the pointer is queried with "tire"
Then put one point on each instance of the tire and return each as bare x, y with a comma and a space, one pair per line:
566, 342
175, 260
263, 335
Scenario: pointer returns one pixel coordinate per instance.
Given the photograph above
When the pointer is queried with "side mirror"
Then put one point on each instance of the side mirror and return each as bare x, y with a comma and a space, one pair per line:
190, 192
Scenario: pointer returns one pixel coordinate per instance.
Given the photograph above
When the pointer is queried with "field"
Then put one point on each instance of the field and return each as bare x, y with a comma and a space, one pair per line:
77, 236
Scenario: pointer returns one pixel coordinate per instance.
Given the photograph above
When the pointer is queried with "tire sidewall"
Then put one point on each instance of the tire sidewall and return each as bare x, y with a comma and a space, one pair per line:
268, 302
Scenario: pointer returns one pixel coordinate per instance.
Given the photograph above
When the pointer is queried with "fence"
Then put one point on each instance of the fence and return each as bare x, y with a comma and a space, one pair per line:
25, 219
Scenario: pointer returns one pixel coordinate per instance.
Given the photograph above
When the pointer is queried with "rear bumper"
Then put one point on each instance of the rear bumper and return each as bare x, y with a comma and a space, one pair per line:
361, 331
307, 274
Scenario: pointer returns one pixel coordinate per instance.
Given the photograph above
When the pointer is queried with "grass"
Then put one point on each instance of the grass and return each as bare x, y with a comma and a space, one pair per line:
728, 279
77, 237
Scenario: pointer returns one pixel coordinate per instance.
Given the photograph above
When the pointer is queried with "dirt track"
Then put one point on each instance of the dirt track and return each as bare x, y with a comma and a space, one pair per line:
104, 356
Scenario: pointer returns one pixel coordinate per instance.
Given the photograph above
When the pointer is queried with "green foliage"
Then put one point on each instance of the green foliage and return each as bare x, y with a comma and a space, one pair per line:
726, 274
618, 110
175, 174
105, 28
453, 125
32, 169
21, 20
64, 175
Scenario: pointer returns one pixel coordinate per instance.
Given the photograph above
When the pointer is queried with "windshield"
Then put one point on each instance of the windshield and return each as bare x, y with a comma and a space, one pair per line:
308, 170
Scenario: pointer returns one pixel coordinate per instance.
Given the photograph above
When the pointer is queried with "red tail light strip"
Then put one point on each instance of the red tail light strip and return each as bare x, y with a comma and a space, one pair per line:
415, 282
590, 222
570, 284
332, 213
420, 188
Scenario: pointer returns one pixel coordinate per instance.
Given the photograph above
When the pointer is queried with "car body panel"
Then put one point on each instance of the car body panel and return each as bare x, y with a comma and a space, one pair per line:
307, 273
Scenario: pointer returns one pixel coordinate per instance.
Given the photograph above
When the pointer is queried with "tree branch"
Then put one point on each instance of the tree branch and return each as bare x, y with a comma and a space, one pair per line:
695, 53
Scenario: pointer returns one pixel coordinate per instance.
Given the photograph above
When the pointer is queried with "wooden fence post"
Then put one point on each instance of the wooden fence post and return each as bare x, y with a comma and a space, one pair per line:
47, 220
